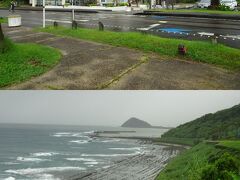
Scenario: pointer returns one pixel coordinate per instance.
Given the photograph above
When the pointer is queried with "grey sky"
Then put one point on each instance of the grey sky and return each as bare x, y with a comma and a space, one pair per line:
166, 108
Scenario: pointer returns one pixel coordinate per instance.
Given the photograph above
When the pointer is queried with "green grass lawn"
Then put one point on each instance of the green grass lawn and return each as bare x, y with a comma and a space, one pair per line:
230, 144
199, 11
182, 141
197, 50
188, 165
3, 20
23, 61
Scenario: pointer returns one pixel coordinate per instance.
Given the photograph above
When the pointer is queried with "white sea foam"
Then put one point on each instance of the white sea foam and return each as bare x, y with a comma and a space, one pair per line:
39, 154
128, 149
105, 167
10, 178
70, 134
109, 140
81, 159
88, 132
64, 133
79, 141
91, 163
110, 155
45, 177
24, 159
35, 171
9, 163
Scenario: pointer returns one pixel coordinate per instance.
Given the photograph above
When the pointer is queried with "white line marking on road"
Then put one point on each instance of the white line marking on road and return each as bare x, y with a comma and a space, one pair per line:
163, 22
83, 20
52, 20
149, 27
206, 34
232, 36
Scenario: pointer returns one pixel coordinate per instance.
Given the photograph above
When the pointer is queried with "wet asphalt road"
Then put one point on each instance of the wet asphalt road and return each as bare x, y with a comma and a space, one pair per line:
228, 31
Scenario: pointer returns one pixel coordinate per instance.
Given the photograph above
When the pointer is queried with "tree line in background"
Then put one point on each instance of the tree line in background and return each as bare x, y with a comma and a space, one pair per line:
224, 124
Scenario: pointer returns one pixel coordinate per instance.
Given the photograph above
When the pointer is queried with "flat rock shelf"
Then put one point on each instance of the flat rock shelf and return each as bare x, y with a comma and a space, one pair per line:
144, 166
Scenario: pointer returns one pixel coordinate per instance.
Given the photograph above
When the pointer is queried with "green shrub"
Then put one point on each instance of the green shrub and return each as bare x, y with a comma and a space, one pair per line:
122, 4
92, 4
67, 4
6, 45
109, 5
227, 162
223, 8
224, 167
209, 172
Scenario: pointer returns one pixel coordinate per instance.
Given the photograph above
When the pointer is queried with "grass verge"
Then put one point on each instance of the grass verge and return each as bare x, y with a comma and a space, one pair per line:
197, 50
207, 11
182, 141
190, 164
230, 144
23, 61
3, 20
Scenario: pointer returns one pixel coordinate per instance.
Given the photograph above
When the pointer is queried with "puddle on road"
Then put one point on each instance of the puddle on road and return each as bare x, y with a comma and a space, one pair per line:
175, 30
159, 17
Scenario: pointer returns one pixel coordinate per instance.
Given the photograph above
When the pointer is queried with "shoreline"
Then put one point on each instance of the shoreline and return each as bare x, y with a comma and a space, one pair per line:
144, 140
145, 165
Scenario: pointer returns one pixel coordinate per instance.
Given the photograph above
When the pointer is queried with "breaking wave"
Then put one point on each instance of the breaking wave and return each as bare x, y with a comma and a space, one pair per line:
81, 159
10, 178
79, 141
24, 159
127, 149
110, 155
39, 154
73, 134
36, 171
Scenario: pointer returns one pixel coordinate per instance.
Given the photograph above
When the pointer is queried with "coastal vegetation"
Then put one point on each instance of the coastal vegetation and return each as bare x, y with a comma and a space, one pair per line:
223, 124
206, 52
215, 152
235, 145
203, 161
3, 20
19, 62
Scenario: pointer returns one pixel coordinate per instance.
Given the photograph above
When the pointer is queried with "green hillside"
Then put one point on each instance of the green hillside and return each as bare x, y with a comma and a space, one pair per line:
223, 124
216, 157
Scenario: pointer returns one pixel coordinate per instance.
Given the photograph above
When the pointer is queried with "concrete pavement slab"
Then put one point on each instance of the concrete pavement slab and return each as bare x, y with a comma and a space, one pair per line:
176, 74
90, 65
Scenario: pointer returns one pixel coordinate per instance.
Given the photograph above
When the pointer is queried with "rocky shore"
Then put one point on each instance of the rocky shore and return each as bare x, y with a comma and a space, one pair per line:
145, 165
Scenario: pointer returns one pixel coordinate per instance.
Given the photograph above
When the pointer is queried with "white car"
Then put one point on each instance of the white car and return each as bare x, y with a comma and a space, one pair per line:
205, 3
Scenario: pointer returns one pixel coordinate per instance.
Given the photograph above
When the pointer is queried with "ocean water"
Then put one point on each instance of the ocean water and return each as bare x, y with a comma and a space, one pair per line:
56, 152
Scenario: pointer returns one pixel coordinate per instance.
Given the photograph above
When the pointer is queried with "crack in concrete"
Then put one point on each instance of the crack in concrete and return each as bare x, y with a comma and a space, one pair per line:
144, 59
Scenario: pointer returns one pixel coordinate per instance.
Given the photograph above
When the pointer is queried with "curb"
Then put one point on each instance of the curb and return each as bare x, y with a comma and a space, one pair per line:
211, 16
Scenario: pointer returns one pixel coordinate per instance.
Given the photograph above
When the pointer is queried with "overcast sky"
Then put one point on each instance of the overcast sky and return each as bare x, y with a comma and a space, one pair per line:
165, 108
